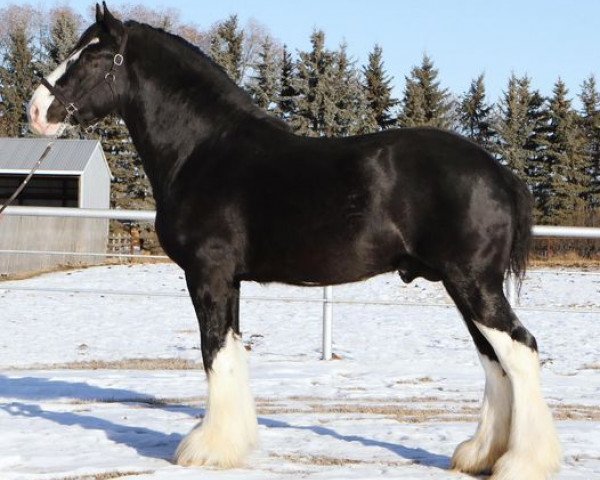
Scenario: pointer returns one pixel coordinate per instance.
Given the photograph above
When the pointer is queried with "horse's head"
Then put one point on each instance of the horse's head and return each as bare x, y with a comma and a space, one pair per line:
87, 84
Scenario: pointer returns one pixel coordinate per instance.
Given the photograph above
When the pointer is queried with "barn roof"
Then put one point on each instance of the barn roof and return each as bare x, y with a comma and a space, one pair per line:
66, 156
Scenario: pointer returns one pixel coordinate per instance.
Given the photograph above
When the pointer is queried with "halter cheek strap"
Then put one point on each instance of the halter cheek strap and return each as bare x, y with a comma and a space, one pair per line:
109, 78
70, 107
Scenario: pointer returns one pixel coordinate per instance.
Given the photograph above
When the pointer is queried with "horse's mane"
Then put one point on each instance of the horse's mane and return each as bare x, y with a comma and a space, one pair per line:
194, 56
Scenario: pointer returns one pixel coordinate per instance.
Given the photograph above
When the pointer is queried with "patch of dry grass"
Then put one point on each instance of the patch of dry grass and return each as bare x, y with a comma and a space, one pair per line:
143, 402
414, 381
569, 411
124, 364
400, 410
54, 269
107, 475
401, 413
568, 259
591, 366
327, 461
80, 266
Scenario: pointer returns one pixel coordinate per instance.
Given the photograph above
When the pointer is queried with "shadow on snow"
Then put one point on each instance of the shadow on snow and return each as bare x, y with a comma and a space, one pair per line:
148, 442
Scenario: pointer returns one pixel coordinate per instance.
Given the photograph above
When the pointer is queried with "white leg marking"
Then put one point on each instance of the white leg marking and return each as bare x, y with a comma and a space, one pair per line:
533, 448
229, 429
42, 98
490, 442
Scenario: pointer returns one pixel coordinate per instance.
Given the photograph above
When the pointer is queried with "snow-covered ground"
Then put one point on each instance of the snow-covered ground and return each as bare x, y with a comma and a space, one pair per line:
404, 392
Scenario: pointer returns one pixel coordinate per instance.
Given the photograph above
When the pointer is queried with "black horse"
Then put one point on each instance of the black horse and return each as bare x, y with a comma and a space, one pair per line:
239, 197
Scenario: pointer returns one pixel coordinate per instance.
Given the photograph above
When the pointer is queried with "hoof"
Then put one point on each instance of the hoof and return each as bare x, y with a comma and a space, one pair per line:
539, 466
473, 458
202, 447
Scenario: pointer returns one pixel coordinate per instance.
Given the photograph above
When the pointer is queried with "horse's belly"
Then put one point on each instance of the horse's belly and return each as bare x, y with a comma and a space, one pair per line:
326, 261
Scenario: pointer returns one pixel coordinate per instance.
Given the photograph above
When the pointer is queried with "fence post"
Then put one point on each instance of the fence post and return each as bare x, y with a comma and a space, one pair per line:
327, 321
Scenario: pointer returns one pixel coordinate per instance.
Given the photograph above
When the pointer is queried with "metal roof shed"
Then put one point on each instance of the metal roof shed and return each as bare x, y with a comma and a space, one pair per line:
74, 174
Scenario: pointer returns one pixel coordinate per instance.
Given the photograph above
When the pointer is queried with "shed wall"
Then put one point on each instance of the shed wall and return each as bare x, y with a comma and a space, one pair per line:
50, 234
95, 182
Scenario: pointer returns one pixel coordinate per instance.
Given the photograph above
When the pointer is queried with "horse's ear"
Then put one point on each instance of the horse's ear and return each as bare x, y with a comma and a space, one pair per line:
112, 24
99, 14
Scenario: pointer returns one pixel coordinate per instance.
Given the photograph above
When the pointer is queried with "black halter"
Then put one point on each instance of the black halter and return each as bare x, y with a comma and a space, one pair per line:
109, 78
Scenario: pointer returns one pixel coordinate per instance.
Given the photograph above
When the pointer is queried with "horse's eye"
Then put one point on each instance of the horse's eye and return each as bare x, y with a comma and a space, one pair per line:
70, 62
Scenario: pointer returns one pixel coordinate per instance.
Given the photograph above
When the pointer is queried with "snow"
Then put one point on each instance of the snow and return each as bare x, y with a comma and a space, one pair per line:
403, 394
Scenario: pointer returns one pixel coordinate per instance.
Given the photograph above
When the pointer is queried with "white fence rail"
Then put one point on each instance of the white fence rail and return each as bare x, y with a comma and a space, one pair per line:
542, 231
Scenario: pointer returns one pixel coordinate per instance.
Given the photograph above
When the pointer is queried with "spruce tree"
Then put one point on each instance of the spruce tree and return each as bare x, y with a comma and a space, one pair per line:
521, 131
537, 169
513, 127
378, 88
331, 100
565, 154
226, 48
264, 87
17, 79
413, 105
64, 33
590, 124
314, 85
425, 103
475, 115
353, 112
287, 102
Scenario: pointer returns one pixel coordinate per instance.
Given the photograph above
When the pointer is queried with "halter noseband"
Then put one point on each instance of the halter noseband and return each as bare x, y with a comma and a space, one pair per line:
109, 78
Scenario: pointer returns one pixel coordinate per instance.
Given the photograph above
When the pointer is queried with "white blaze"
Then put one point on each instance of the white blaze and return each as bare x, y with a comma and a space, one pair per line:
42, 98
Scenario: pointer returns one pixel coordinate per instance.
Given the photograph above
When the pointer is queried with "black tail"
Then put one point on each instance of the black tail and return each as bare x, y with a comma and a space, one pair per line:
522, 211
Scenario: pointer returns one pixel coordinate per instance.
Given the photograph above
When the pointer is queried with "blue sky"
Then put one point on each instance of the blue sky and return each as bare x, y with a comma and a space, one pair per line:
543, 38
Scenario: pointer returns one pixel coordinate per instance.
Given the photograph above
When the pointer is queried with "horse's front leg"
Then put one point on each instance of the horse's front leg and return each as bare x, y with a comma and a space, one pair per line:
229, 428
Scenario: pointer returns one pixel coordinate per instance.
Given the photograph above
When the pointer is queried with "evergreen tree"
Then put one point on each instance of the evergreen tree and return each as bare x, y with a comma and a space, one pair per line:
475, 115
314, 85
226, 48
331, 100
521, 131
353, 112
17, 78
413, 105
513, 127
288, 96
537, 169
378, 87
265, 85
64, 33
425, 102
565, 154
590, 124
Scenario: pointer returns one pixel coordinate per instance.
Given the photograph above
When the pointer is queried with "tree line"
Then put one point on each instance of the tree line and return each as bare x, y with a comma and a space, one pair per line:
322, 91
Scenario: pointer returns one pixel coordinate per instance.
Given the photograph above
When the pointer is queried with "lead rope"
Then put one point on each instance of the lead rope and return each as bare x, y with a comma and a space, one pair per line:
37, 164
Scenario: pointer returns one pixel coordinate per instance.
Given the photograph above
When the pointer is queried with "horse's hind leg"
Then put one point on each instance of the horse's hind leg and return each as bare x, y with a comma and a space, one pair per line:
490, 442
533, 451
229, 428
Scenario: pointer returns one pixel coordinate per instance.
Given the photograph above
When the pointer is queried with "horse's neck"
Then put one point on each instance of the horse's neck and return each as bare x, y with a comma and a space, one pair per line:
174, 110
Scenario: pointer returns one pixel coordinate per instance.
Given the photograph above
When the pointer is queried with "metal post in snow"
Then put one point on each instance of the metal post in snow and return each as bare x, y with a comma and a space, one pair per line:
327, 321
